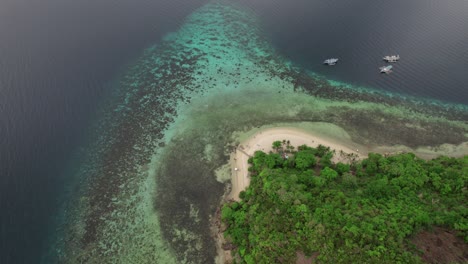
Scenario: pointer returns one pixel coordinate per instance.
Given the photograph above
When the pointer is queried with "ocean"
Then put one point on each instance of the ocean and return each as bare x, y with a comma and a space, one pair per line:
63, 62
429, 36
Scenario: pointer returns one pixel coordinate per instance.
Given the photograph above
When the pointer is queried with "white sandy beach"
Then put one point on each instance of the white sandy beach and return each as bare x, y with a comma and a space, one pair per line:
263, 140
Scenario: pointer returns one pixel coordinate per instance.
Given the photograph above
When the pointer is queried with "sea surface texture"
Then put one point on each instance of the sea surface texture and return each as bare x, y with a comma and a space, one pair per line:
429, 36
141, 180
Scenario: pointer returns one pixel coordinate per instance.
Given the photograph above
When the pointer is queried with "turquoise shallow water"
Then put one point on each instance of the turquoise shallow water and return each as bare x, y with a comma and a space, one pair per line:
146, 190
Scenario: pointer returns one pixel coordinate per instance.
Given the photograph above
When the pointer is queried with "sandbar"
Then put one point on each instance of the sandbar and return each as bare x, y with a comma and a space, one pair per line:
262, 140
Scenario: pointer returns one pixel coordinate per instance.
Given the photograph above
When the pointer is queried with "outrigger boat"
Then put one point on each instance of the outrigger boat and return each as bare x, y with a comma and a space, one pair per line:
392, 58
331, 61
386, 69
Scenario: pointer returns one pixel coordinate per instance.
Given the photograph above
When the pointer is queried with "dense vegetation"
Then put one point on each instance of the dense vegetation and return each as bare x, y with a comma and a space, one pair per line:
360, 212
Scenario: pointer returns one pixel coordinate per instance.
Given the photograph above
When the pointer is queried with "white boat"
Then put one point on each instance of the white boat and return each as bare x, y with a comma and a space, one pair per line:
331, 61
386, 69
391, 58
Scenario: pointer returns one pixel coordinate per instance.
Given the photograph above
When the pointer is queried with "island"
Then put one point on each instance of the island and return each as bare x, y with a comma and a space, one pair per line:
299, 198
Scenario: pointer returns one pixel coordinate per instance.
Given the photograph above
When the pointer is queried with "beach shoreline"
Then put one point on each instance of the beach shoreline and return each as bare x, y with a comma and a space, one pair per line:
263, 139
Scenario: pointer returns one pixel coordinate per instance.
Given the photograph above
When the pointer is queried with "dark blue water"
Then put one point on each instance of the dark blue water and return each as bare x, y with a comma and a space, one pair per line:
430, 36
59, 60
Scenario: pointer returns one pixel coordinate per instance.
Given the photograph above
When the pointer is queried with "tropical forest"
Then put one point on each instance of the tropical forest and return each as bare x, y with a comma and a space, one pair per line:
300, 202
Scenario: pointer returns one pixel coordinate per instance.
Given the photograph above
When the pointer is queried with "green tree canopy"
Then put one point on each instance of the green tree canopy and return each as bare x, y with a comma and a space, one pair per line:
348, 214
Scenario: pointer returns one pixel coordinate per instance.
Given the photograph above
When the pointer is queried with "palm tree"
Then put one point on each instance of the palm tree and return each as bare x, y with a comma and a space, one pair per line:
277, 145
